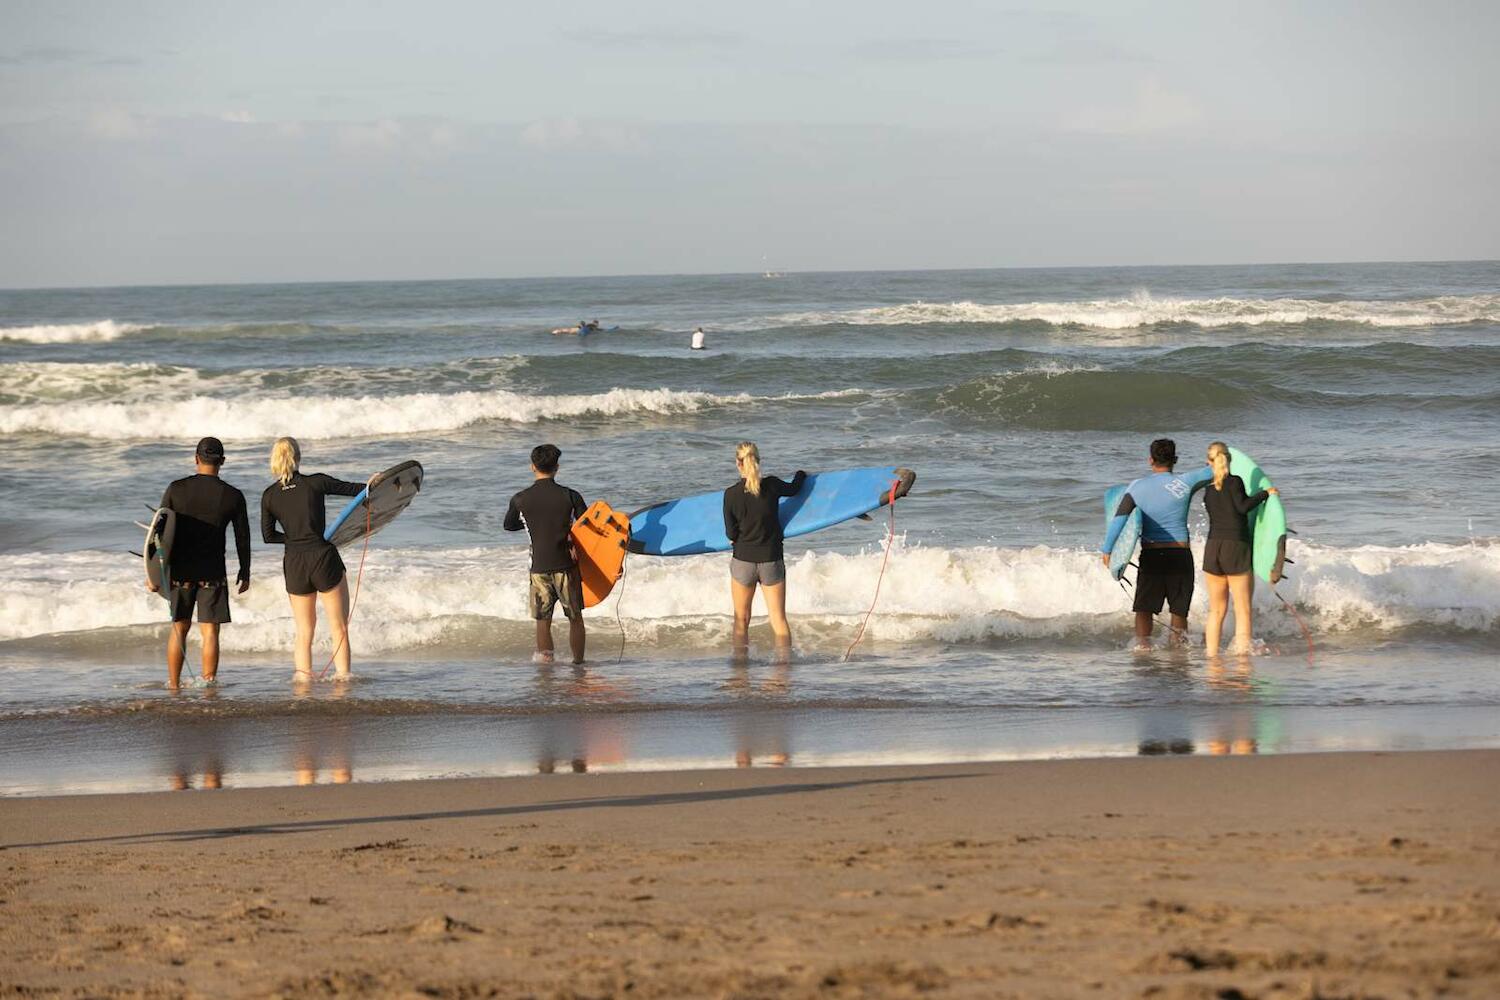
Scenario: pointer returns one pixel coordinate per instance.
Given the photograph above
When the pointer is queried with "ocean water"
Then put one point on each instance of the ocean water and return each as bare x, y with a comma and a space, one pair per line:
1371, 393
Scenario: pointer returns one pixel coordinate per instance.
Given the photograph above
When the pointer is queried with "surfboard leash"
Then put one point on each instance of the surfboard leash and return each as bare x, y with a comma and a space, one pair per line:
890, 543
1306, 634
358, 580
620, 599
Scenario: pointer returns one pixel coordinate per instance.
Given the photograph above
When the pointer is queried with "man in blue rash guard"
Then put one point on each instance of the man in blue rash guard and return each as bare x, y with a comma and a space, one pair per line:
1165, 575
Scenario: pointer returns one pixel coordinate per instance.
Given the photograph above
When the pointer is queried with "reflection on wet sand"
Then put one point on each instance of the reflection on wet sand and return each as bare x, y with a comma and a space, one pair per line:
761, 732
323, 745
1233, 730
578, 738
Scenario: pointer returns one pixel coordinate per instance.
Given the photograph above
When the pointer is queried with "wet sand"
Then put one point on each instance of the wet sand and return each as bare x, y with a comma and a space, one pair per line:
1326, 875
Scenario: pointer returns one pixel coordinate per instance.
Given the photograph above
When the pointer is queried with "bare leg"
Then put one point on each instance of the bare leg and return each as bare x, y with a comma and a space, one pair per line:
1239, 589
1143, 625
576, 635
544, 638
1218, 606
742, 597
1179, 630
176, 653
336, 608
775, 597
305, 614
209, 633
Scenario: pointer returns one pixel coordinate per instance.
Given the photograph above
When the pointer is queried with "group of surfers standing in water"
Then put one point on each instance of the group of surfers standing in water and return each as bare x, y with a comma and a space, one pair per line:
293, 515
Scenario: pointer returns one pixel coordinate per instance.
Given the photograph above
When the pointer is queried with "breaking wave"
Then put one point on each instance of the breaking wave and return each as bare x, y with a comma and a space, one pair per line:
1145, 310
70, 333
474, 598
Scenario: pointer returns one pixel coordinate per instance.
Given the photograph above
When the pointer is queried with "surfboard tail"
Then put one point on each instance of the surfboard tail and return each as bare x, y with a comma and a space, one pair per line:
905, 479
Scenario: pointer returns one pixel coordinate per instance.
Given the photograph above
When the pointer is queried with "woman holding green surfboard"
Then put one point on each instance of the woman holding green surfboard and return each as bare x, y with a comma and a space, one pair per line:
1227, 555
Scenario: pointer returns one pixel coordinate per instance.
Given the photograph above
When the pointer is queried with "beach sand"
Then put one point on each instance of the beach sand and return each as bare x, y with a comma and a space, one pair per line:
1332, 875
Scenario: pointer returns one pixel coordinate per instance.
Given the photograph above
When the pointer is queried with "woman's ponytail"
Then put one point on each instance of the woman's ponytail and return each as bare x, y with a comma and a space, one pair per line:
1218, 457
748, 457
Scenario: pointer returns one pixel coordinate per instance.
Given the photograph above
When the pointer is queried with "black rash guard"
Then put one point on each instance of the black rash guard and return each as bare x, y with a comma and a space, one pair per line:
547, 509
752, 522
1227, 508
205, 506
299, 507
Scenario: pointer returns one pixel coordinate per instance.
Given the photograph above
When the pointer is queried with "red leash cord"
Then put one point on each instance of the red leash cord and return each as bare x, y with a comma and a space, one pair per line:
890, 543
358, 579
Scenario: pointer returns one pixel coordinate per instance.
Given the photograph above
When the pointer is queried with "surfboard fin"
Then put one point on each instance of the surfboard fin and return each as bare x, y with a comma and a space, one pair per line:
136, 554
865, 517
143, 527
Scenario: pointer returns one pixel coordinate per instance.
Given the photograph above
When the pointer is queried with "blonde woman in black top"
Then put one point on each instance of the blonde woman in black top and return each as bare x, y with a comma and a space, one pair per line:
752, 522
1226, 555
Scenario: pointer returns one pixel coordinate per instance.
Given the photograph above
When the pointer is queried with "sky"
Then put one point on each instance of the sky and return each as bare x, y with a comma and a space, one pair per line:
161, 143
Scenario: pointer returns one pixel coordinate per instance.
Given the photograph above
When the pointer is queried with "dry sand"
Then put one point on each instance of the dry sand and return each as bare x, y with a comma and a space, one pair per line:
1338, 875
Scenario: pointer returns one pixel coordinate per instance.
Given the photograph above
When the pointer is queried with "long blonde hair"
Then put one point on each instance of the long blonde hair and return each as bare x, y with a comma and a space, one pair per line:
1218, 457
286, 455
748, 456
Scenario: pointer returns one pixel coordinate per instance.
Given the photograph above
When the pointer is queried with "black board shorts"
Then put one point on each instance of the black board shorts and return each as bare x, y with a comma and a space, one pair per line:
312, 569
1165, 577
209, 599
1226, 556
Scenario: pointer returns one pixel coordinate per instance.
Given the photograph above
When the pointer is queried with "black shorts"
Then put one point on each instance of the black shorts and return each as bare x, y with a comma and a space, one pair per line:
210, 600
1227, 556
312, 569
1165, 577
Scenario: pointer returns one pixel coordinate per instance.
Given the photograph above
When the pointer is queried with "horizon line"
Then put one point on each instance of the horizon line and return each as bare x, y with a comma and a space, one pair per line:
731, 274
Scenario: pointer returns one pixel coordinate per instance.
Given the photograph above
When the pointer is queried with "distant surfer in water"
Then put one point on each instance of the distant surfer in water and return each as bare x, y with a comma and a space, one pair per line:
698, 339
582, 329
312, 567
547, 510
1165, 575
205, 506
753, 524
1226, 555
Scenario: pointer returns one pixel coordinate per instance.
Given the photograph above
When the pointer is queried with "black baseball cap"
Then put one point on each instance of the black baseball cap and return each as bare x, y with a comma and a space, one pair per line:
211, 449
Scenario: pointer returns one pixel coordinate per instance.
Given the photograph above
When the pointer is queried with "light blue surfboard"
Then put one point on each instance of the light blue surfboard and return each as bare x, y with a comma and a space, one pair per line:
1123, 553
695, 524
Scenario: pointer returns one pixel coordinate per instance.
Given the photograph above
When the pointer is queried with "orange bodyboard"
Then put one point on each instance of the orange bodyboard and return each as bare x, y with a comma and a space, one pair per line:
599, 537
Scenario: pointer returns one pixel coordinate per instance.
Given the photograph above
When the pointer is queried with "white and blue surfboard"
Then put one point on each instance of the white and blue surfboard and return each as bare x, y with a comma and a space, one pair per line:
695, 524
374, 508
1123, 553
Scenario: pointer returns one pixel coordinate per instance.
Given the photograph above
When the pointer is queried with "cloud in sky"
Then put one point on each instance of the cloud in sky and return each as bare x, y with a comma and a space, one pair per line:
654, 38
1151, 107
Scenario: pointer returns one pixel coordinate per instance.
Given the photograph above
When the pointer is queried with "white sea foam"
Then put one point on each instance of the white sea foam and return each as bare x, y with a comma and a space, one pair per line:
248, 418
416, 598
66, 333
1144, 309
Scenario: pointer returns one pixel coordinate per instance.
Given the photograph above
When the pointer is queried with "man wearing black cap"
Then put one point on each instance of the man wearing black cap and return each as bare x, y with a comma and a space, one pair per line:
205, 506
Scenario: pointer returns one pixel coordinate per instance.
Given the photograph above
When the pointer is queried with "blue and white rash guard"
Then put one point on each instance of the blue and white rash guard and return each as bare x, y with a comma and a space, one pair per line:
1163, 499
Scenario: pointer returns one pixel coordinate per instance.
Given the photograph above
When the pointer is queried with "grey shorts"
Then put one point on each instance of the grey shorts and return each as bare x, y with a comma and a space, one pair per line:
748, 574
564, 587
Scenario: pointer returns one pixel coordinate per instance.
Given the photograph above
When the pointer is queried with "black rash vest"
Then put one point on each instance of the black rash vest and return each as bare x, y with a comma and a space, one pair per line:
205, 506
547, 509
1227, 508
299, 507
752, 522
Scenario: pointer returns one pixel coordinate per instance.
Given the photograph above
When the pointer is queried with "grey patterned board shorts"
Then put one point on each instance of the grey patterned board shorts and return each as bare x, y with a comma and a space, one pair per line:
563, 587
748, 574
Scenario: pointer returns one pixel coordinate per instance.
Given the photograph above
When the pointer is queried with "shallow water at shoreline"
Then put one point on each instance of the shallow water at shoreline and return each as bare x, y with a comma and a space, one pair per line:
1368, 391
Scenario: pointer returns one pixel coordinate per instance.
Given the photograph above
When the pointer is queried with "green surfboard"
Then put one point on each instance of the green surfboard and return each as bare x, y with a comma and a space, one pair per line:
1267, 521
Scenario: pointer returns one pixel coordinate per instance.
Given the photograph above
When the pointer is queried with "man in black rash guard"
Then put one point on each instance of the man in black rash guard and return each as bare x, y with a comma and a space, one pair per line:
205, 505
547, 510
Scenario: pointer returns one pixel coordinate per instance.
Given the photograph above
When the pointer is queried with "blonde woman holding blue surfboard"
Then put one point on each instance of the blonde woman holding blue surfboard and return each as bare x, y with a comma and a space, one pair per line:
1227, 555
753, 523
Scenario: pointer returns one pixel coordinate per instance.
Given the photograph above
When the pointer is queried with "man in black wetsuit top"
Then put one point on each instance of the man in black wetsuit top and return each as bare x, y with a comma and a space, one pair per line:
205, 506
547, 510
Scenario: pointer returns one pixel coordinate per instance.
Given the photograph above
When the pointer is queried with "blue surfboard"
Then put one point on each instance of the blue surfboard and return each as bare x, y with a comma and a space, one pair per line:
374, 508
1130, 536
694, 525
